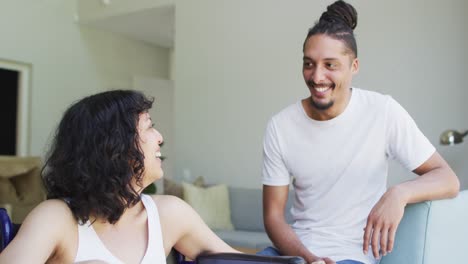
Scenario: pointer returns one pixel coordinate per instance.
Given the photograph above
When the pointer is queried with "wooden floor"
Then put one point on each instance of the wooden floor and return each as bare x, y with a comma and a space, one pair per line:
247, 250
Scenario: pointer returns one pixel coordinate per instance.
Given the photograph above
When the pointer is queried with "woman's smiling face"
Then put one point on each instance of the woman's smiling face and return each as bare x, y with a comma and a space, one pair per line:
150, 141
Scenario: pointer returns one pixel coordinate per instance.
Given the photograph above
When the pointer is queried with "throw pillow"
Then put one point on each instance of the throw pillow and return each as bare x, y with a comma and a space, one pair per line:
211, 203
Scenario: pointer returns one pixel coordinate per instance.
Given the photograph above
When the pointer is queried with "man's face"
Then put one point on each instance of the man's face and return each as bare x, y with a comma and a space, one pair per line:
328, 70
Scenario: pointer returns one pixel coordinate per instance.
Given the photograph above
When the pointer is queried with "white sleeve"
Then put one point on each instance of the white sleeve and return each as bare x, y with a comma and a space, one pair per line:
406, 143
275, 172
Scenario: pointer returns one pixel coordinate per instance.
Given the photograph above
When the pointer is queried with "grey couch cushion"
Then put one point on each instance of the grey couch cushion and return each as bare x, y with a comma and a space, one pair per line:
247, 209
246, 239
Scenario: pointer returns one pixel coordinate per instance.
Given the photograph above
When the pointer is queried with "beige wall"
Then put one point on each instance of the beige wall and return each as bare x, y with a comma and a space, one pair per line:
239, 62
68, 61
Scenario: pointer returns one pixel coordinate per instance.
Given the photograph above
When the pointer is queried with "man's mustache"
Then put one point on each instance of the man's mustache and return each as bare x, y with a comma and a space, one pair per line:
315, 85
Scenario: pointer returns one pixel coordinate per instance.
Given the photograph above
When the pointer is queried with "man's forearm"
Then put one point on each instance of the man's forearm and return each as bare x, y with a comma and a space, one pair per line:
439, 183
286, 240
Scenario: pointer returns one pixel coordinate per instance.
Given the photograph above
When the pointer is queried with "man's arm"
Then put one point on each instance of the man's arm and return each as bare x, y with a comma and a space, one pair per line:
436, 181
280, 233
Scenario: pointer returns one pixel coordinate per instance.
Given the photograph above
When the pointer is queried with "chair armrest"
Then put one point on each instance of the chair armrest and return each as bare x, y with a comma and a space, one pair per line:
236, 258
432, 232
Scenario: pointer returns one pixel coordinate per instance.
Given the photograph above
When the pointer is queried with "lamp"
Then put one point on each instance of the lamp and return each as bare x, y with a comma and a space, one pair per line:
451, 137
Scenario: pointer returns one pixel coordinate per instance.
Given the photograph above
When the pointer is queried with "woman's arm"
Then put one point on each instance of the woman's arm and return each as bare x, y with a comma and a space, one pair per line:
184, 229
44, 233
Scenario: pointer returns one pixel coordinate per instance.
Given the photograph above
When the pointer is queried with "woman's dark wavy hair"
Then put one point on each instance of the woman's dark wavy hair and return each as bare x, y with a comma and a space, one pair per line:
338, 22
95, 155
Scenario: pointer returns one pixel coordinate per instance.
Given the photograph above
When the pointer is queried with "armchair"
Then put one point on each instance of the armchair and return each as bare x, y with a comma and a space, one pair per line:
20, 185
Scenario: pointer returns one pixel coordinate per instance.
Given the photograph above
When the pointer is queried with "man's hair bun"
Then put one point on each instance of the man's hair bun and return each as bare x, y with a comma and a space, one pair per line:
340, 12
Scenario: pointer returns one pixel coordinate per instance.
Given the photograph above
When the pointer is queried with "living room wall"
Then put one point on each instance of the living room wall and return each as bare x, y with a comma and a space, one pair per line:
68, 60
239, 62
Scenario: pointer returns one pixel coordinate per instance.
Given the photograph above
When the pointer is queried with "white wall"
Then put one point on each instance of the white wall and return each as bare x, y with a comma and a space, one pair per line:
418, 56
239, 62
96, 9
68, 62
118, 59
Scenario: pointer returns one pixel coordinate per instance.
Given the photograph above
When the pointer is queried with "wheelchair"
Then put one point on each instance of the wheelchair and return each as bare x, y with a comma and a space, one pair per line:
8, 231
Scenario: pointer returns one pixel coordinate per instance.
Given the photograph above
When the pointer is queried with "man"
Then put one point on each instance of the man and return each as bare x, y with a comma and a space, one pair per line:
337, 143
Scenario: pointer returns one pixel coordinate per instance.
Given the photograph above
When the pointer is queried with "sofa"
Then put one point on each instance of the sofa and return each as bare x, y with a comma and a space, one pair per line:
430, 232
247, 218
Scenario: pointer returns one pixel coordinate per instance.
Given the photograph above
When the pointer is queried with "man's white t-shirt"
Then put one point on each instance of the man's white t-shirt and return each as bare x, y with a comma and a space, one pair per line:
340, 167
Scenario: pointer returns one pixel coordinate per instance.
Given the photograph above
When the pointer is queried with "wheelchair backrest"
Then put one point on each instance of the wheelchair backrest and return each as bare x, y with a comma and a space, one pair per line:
7, 229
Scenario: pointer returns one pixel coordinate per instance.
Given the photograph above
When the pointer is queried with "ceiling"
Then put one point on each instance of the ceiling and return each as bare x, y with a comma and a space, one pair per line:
154, 25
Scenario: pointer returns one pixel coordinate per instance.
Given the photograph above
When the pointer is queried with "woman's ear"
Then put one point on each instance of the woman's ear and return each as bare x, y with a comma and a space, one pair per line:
141, 137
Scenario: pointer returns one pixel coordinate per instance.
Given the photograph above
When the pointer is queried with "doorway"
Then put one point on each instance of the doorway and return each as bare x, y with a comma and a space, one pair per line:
8, 110
14, 108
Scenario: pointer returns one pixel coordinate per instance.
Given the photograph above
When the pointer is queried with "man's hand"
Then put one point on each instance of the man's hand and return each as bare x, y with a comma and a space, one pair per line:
323, 261
383, 221
436, 181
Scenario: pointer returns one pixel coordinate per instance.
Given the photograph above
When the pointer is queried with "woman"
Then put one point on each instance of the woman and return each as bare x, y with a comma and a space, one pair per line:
105, 152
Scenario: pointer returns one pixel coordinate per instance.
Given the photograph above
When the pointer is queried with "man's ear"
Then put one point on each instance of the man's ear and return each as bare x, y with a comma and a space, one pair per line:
355, 66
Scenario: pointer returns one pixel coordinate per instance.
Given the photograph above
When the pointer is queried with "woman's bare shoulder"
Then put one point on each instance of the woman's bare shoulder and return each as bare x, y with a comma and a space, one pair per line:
173, 215
172, 207
49, 231
168, 202
50, 217
52, 210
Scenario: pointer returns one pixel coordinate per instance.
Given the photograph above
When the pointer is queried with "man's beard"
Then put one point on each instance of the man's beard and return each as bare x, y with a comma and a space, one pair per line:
321, 106
316, 105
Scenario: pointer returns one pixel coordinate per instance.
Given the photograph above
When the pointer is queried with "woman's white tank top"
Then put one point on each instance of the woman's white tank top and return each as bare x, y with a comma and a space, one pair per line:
90, 247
